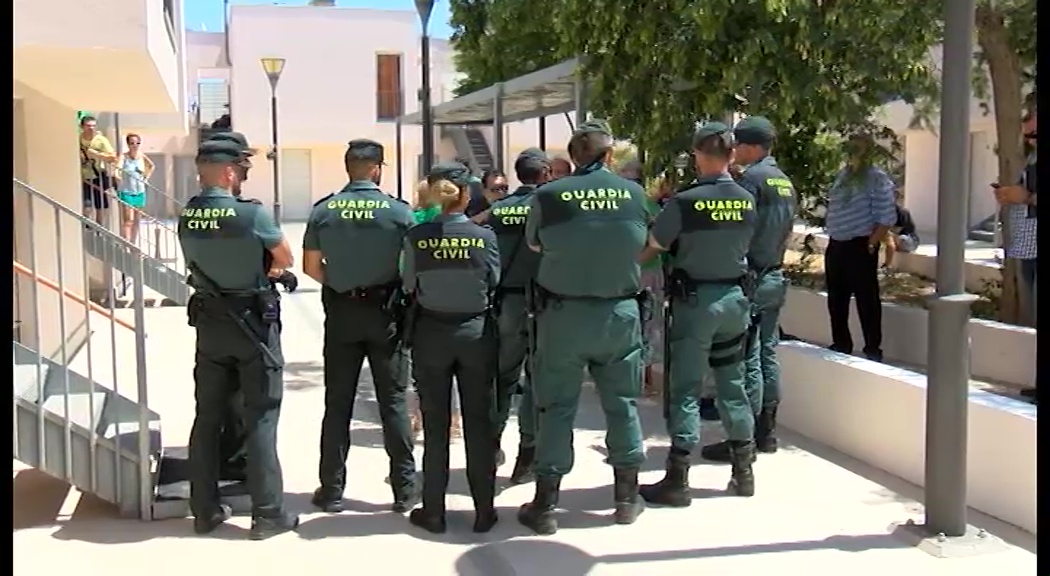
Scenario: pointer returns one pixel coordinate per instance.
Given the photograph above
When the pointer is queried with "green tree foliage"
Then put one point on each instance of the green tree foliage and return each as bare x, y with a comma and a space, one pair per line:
816, 69
1006, 39
498, 40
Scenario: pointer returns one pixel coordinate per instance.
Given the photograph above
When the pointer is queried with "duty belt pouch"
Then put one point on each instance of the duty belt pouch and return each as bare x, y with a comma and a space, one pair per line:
193, 310
269, 307
645, 301
749, 283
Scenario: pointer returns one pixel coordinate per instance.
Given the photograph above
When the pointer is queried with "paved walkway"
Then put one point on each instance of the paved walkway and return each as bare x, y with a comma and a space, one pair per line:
815, 509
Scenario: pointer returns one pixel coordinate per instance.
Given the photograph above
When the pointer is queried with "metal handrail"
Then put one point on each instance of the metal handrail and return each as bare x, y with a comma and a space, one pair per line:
151, 187
76, 334
24, 271
155, 236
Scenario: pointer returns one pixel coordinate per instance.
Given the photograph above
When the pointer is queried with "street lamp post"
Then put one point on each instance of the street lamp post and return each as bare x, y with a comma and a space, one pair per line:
424, 8
273, 68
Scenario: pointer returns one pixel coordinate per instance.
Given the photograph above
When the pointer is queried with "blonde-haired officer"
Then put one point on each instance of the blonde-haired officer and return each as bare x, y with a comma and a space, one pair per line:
451, 269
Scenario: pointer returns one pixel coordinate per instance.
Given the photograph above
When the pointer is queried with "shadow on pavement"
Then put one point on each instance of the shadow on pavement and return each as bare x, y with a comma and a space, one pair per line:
541, 557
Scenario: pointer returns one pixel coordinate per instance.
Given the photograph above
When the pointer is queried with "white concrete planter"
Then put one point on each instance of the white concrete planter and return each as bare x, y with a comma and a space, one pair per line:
998, 352
875, 413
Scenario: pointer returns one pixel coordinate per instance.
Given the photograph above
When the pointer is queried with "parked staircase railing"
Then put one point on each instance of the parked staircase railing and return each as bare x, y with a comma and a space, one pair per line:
79, 410
154, 236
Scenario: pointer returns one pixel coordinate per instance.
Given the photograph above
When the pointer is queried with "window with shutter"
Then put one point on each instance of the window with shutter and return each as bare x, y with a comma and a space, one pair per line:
389, 96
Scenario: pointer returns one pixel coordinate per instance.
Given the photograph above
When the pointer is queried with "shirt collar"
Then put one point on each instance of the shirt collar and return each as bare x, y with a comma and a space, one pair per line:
453, 217
360, 185
595, 166
216, 191
522, 190
714, 179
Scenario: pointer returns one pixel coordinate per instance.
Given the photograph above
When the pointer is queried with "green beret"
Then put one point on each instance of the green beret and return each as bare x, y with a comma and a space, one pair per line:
364, 149
755, 130
222, 151
452, 171
593, 126
708, 130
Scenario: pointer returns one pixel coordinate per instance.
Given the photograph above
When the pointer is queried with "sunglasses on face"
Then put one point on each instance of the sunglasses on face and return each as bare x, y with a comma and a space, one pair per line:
503, 189
133, 143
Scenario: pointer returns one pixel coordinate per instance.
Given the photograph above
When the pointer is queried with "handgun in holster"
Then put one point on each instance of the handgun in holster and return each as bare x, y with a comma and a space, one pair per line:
267, 305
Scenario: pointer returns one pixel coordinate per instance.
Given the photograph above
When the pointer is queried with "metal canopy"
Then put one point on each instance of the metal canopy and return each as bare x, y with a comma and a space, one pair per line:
541, 93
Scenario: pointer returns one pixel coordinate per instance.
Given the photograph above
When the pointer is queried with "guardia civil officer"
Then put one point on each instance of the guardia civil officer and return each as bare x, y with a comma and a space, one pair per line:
776, 206
225, 241
712, 224
589, 229
351, 247
519, 266
285, 278
452, 267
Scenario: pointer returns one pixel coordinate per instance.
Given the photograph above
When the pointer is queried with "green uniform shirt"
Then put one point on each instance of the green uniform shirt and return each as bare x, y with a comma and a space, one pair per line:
228, 239
359, 231
507, 219
713, 223
452, 264
591, 227
423, 215
776, 205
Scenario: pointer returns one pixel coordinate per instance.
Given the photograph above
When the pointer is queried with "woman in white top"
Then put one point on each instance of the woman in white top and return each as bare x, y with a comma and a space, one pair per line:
133, 171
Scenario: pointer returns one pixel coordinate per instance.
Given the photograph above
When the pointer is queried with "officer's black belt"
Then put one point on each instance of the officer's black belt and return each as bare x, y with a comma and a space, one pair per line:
683, 279
544, 293
378, 292
450, 317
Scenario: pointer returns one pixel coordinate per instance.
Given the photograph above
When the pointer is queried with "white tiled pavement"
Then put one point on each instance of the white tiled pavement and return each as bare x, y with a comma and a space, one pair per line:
815, 511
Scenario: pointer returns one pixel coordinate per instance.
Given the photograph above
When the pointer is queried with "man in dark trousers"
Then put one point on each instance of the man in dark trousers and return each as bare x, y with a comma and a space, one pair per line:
861, 211
352, 248
232, 246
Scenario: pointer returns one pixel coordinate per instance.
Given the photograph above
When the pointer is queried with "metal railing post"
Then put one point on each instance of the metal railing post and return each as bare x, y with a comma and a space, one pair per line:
144, 452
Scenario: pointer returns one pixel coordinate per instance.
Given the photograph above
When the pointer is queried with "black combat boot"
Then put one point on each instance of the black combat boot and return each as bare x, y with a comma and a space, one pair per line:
208, 524
717, 452
766, 430
538, 515
485, 519
708, 410
742, 455
673, 490
433, 522
264, 527
522, 473
328, 500
629, 504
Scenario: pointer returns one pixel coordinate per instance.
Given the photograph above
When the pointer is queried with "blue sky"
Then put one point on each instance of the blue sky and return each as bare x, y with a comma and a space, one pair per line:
207, 14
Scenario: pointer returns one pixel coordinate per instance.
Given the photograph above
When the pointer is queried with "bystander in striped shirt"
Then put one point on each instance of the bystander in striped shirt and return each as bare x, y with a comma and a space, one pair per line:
857, 203
1023, 225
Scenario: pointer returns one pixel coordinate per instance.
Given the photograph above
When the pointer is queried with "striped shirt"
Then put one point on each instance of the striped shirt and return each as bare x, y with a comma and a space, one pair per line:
857, 205
1023, 225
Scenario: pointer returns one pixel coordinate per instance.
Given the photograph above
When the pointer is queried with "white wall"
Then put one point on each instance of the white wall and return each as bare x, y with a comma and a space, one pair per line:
45, 157
876, 413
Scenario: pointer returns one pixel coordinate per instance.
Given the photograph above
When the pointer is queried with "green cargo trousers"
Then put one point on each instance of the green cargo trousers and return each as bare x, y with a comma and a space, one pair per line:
445, 347
605, 337
763, 368
708, 332
513, 353
222, 348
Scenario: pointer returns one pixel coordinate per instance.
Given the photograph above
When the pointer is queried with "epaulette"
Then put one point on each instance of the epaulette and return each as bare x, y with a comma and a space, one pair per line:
323, 200
248, 200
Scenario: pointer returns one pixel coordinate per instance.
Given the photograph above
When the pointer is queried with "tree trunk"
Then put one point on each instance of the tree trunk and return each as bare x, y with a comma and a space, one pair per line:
1004, 68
